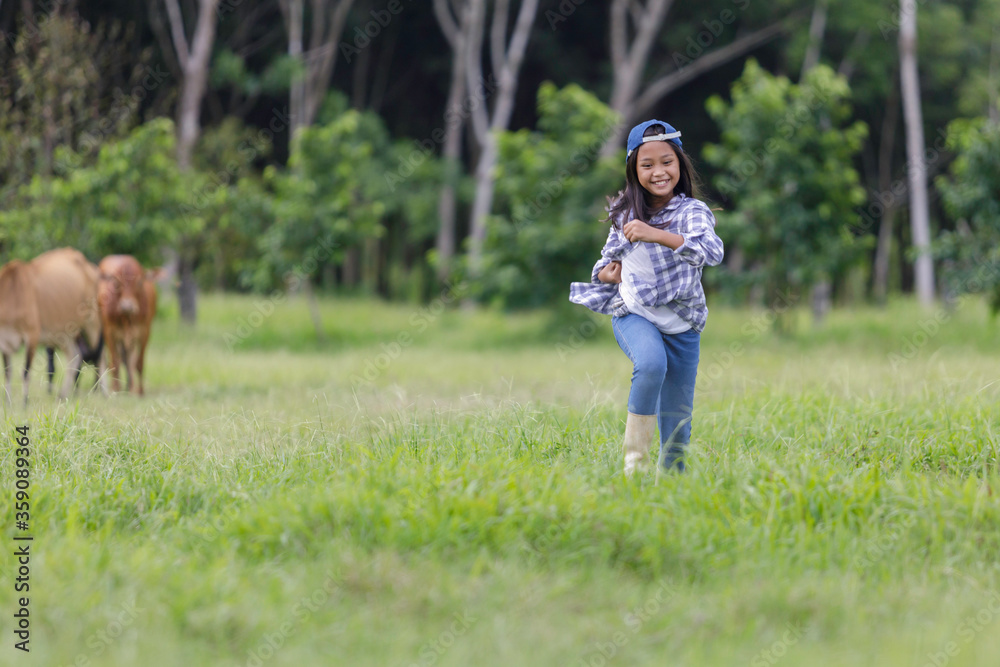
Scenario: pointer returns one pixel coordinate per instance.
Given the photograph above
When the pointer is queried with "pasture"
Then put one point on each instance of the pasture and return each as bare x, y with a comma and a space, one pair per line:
453, 496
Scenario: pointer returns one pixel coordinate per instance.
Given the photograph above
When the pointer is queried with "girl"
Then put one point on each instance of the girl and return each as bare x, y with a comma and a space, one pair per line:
649, 280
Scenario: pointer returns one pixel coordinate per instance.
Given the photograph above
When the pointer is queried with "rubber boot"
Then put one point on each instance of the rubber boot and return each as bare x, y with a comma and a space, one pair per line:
639, 432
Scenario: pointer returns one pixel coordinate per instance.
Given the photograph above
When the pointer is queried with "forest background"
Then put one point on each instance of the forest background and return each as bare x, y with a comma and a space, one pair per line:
397, 148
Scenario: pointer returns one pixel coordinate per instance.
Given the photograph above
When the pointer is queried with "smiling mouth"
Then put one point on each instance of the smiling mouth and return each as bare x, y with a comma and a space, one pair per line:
659, 184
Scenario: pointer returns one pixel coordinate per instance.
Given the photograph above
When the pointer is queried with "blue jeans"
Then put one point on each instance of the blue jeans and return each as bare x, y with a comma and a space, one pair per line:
664, 367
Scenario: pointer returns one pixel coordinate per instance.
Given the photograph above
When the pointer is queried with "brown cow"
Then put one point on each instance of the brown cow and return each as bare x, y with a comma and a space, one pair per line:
128, 302
49, 301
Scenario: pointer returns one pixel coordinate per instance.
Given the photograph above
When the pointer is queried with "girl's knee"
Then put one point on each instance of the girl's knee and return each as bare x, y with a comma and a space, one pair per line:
651, 368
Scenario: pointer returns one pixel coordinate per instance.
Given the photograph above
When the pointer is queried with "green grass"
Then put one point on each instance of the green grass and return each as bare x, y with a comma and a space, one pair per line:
453, 496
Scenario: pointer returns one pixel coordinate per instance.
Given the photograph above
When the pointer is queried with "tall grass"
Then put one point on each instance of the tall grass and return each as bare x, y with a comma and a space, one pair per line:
457, 499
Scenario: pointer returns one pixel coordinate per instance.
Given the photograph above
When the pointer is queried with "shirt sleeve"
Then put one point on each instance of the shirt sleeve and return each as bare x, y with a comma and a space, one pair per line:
610, 246
702, 246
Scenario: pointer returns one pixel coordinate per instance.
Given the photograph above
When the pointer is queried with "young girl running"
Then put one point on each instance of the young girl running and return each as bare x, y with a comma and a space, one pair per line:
649, 280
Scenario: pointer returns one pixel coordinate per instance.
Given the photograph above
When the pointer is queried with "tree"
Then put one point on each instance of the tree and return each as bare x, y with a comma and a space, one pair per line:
971, 193
318, 57
551, 190
917, 168
506, 58
454, 18
785, 164
330, 198
84, 207
194, 59
59, 93
633, 98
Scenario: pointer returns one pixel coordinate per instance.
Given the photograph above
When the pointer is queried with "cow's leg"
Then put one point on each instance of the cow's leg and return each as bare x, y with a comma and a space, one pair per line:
6, 376
128, 359
28, 357
116, 356
72, 370
52, 365
112, 365
141, 360
97, 359
102, 373
82, 350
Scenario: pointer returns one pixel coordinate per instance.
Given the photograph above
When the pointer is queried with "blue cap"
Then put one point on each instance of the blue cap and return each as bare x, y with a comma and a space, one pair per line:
635, 138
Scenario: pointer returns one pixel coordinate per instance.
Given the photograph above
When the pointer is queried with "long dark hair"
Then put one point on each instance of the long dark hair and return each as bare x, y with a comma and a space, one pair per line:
635, 198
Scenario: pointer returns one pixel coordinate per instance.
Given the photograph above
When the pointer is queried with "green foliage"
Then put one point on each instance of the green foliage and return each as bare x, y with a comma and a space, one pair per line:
55, 90
785, 164
551, 186
229, 69
331, 197
971, 195
132, 200
232, 201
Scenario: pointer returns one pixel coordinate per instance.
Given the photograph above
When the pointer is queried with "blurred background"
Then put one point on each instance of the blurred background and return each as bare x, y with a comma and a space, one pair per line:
396, 149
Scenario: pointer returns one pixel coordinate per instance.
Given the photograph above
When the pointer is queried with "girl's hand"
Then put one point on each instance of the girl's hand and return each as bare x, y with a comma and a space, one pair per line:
612, 273
637, 230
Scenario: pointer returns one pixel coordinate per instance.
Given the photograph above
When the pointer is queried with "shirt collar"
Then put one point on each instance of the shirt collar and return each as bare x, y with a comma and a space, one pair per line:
671, 206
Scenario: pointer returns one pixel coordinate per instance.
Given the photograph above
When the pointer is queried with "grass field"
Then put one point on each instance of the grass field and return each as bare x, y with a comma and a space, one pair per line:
444, 488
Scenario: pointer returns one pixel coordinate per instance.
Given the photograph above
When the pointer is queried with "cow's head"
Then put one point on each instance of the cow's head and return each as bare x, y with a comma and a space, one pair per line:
122, 286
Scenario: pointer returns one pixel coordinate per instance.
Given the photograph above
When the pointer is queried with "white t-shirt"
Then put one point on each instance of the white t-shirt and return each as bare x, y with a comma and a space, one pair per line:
639, 264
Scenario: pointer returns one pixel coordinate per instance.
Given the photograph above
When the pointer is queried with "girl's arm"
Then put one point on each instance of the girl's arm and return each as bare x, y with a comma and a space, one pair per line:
613, 243
698, 246
637, 230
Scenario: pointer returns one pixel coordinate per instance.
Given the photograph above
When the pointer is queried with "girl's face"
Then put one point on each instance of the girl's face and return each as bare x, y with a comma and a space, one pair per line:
658, 170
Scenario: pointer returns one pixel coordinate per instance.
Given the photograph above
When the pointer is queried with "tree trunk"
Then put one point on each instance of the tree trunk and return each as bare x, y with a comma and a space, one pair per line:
194, 65
822, 290
883, 250
482, 202
454, 121
822, 293
351, 272
817, 26
487, 130
194, 61
994, 103
626, 68
187, 288
328, 19
913, 116
630, 55
883, 255
296, 95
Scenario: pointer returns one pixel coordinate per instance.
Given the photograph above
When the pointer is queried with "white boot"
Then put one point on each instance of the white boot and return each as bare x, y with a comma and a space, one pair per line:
639, 432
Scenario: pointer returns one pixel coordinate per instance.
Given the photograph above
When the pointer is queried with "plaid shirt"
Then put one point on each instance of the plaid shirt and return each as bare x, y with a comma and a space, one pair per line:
677, 282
